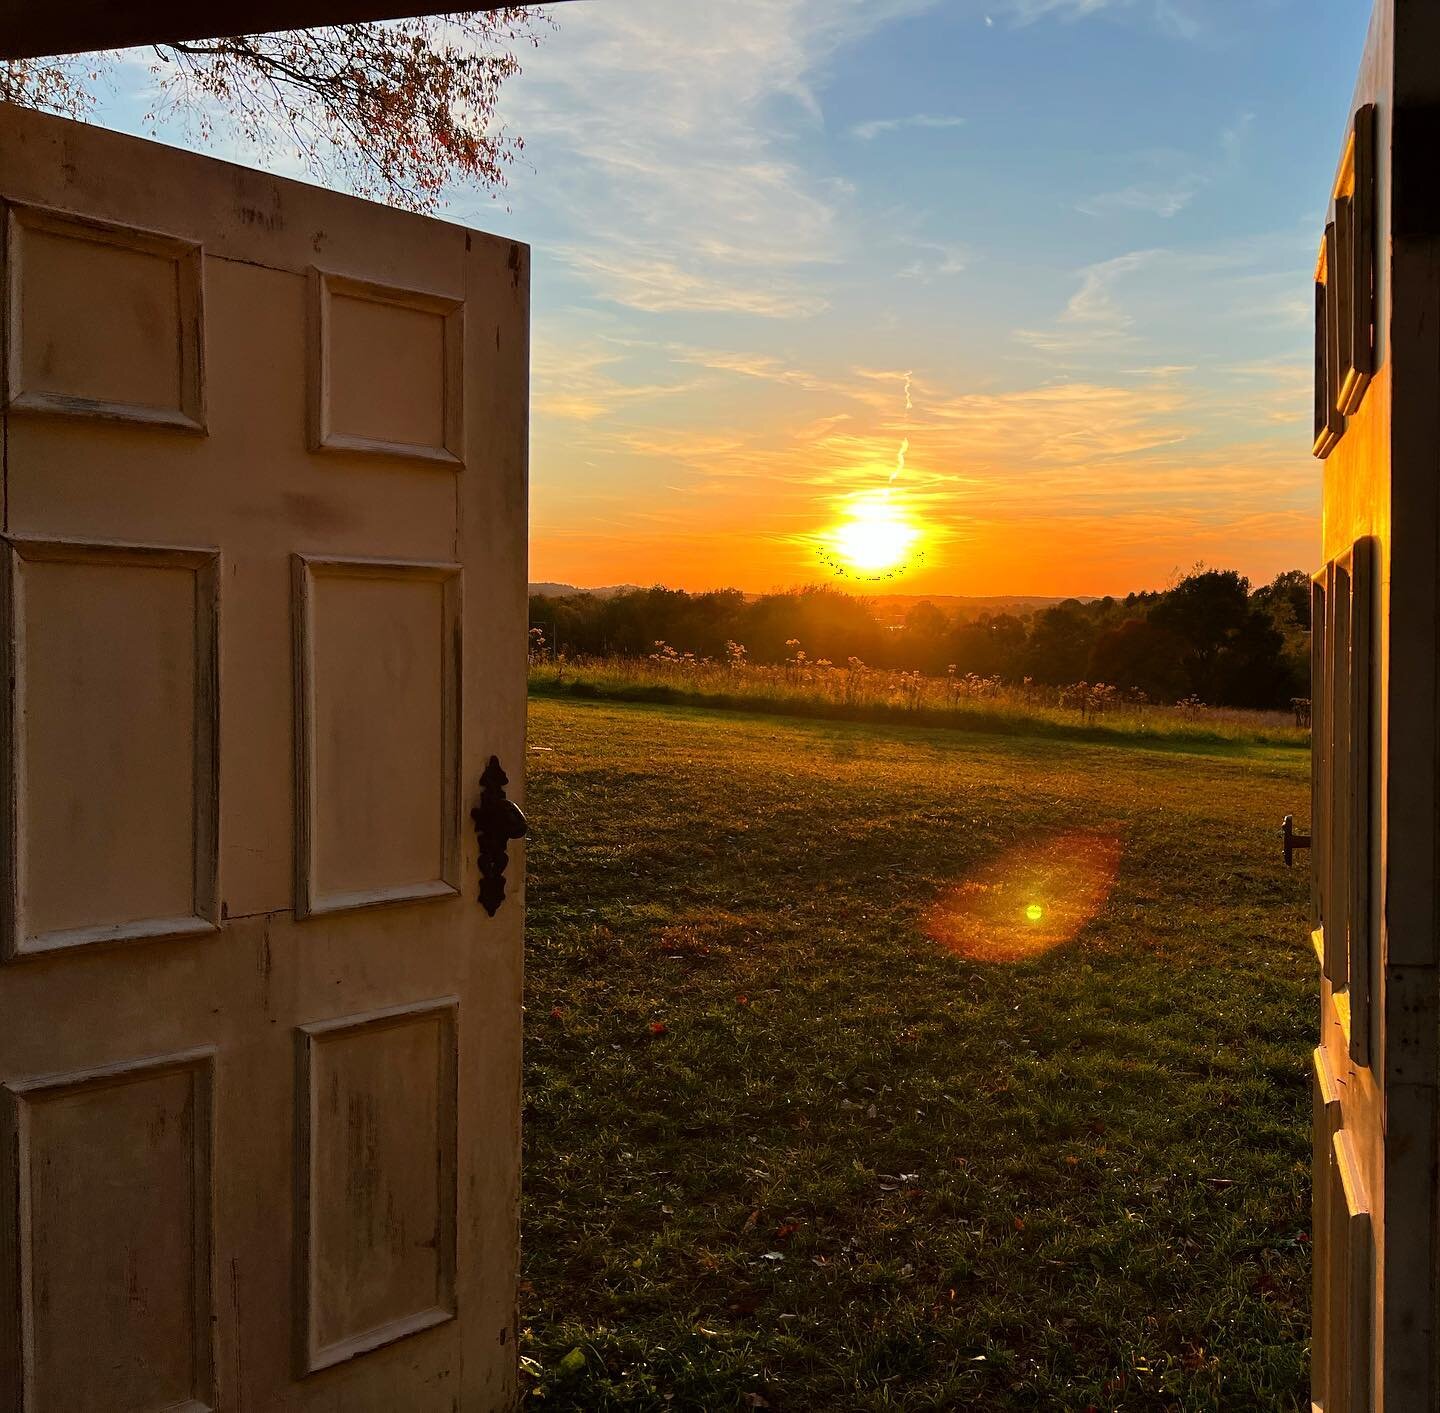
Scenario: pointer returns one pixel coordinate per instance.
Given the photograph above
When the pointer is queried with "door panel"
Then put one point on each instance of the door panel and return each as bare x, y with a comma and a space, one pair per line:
378, 1256
116, 1235
260, 1043
113, 725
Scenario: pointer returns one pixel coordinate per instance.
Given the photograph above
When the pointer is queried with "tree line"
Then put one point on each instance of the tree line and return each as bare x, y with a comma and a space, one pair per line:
1209, 637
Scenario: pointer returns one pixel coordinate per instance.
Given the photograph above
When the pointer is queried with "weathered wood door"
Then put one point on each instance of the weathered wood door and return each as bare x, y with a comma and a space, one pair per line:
264, 611
1375, 799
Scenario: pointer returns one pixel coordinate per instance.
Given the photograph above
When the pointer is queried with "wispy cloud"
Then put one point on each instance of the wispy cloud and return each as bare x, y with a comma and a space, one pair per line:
1093, 317
583, 380
879, 127
668, 135
1160, 200
1159, 302
934, 258
1178, 179
1175, 17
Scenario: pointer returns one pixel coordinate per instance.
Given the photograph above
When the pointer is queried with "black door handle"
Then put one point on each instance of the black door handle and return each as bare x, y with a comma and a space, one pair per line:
498, 821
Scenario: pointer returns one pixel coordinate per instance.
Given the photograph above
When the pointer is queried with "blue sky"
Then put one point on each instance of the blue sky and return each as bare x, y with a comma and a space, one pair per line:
1076, 235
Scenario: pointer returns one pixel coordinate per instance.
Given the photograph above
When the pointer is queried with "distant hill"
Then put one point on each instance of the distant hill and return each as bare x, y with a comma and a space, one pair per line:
892, 608
562, 591
889, 609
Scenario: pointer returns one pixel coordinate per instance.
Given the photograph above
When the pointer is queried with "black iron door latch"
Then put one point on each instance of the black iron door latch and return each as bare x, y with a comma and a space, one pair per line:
498, 821
1291, 841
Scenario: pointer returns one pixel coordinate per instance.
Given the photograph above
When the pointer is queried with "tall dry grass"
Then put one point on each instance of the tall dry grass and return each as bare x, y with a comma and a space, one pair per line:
808, 686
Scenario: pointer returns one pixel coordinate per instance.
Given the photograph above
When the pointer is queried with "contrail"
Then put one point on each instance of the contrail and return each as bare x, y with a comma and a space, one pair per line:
900, 459
905, 440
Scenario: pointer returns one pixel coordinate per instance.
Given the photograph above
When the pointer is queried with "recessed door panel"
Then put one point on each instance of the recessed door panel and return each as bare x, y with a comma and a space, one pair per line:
379, 1172
105, 320
378, 674
110, 1173
113, 718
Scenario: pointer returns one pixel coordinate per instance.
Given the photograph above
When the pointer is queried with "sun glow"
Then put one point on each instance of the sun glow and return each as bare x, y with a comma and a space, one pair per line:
877, 538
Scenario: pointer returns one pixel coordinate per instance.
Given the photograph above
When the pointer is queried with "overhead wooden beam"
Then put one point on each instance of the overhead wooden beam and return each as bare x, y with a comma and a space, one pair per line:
31, 28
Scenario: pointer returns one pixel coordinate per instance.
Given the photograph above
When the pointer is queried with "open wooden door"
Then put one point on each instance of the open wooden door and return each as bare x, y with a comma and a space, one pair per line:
1376, 782
263, 630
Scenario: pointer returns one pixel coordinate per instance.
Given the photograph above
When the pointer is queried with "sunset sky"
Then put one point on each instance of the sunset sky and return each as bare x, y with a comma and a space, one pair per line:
1061, 247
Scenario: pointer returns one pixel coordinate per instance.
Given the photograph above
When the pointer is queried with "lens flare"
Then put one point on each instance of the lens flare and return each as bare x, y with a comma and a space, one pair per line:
1029, 900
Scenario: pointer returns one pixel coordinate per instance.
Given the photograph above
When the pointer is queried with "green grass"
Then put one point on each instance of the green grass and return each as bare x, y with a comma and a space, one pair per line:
893, 1177
897, 698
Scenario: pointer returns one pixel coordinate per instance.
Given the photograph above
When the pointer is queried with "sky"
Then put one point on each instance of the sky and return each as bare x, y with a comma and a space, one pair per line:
923, 296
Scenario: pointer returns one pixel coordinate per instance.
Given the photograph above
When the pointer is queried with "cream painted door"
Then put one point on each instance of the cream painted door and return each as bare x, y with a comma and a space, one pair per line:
264, 597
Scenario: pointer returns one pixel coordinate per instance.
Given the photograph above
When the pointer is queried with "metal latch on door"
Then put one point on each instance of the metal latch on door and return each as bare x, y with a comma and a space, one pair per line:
1291, 841
498, 821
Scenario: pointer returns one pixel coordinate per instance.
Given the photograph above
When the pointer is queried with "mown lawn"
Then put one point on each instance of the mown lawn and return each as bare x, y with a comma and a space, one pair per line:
872, 1068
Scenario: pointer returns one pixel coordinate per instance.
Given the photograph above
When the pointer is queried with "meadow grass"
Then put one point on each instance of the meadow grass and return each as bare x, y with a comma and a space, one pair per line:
798, 1137
1080, 712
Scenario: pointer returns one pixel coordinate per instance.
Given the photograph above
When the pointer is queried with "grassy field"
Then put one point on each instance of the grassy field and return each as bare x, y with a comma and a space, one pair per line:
910, 1069
1082, 711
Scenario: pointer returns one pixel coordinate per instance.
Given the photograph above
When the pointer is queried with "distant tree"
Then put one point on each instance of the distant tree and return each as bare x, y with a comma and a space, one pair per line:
827, 624
925, 638
1142, 656
1205, 610
1287, 598
397, 110
1207, 635
990, 646
1060, 642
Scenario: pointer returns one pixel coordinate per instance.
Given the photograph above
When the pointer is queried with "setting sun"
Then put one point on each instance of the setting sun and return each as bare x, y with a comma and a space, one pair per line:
877, 537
